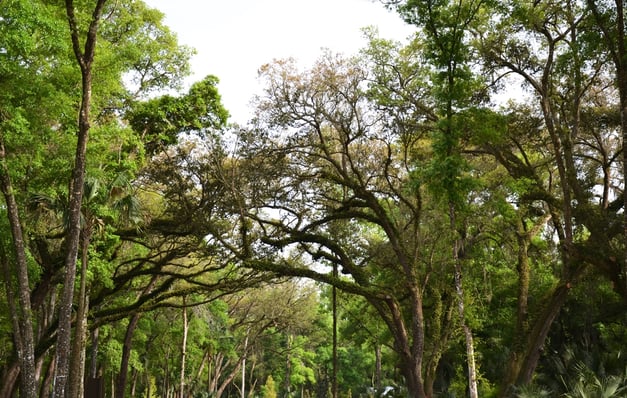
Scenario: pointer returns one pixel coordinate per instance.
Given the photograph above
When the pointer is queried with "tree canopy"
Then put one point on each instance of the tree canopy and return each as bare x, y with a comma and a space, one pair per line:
443, 216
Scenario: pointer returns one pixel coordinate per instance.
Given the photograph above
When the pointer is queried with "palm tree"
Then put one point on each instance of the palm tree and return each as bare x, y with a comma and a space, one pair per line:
532, 391
587, 384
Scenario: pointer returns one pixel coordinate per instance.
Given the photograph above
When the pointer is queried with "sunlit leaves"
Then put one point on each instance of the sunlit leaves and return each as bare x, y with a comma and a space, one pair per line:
160, 121
144, 47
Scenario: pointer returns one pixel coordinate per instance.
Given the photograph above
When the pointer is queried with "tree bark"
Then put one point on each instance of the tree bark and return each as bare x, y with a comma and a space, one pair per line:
22, 318
46, 385
77, 361
459, 290
93, 369
9, 380
621, 73
441, 330
522, 322
377, 367
229, 377
288, 369
334, 388
244, 365
183, 349
538, 335
85, 60
410, 351
521, 331
120, 385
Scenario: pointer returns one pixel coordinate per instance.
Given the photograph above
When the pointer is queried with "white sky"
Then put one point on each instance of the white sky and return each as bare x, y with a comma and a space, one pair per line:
233, 38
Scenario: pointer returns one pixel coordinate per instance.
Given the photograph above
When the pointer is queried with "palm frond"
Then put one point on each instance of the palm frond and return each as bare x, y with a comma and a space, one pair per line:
532, 391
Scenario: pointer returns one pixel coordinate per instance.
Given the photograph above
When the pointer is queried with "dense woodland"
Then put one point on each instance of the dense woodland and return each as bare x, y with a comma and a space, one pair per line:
441, 217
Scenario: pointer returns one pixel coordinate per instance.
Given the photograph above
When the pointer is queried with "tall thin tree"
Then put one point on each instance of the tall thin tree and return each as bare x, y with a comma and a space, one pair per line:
22, 314
85, 58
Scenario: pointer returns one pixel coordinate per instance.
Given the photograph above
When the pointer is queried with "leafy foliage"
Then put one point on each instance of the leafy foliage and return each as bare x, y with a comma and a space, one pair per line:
347, 175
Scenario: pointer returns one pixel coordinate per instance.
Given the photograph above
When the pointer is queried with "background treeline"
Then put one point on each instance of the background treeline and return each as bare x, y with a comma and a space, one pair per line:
444, 216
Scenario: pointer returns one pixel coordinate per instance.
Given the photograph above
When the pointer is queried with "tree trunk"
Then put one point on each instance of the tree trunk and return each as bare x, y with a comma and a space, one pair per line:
148, 385
201, 367
412, 373
183, 349
21, 316
134, 383
334, 335
522, 322
85, 61
538, 334
46, 385
621, 72
441, 327
120, 386
9, 380
377, 367
93, 370
288, 366
229, 378
410, 352
77, 364
244, 366
620, 61
459, 290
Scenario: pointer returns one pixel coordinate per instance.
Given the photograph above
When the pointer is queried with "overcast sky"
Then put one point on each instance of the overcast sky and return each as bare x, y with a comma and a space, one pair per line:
233, 38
